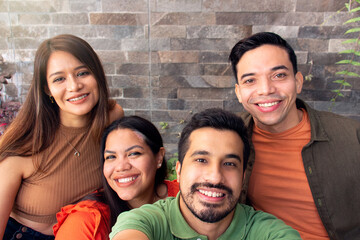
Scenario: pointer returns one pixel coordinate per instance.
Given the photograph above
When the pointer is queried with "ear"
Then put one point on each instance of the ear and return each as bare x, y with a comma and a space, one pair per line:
178, 171
160, 157
238, 94
47, 91
299, 80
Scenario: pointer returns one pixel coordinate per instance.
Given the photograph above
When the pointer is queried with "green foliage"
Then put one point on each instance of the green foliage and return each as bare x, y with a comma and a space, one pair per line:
352, 7
171, 163
164, 125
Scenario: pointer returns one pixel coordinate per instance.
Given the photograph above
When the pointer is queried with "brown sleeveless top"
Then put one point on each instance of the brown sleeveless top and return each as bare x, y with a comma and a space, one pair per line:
66, 178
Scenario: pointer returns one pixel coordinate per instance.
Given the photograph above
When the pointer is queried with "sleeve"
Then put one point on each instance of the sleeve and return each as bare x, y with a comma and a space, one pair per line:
148, 219
85, 220
268, 227
173, 187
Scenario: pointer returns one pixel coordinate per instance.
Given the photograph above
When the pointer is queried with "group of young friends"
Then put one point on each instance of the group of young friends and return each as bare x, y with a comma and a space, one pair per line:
72, 166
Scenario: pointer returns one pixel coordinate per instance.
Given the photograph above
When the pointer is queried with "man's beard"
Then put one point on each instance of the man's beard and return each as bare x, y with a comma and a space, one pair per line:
209, 214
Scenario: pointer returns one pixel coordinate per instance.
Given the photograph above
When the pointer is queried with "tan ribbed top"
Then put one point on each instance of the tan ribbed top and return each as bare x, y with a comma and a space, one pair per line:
67, 178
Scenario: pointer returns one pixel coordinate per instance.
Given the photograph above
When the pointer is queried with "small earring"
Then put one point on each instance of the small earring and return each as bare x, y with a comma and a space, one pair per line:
51, 98
159, 165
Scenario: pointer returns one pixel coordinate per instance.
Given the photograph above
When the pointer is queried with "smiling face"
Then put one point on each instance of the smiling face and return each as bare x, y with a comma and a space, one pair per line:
211, 175
72, 85
130, 166
267, 88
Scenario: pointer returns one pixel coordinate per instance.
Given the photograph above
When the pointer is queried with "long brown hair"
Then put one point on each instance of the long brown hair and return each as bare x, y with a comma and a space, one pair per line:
34, 128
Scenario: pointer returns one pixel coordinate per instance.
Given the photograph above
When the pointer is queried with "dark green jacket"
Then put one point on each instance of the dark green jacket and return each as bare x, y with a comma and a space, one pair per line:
332, 165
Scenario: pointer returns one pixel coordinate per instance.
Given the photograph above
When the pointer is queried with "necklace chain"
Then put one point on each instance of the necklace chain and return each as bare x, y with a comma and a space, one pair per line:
76, 153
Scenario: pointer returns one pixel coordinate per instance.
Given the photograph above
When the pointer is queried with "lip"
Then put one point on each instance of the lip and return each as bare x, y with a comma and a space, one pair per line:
125, 181
211, 194
79, 98
268, 106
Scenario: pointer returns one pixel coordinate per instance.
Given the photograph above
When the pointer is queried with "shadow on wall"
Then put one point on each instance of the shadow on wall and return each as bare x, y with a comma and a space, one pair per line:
8, 110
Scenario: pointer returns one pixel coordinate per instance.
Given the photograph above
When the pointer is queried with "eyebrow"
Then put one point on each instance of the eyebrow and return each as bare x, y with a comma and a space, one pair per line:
202, 152
272, 69
77, 68
126, 150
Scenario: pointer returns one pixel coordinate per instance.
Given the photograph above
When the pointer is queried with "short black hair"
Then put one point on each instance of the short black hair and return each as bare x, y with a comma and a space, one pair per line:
218, 119
256, 41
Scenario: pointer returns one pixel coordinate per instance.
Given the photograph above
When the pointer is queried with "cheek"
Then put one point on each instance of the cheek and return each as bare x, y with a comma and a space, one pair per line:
107, 170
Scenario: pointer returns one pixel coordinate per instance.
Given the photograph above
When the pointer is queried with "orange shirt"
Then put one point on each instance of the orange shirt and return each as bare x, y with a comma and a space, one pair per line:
278, 183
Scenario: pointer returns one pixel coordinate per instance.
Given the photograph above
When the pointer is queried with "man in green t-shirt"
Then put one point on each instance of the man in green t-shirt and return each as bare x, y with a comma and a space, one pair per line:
213, 151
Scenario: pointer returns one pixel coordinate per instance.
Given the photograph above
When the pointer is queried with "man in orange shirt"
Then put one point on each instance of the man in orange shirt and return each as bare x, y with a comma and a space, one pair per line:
304, 165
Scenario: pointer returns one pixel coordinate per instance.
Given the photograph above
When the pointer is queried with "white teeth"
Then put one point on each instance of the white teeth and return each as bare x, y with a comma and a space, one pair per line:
78, 98
211, 194
126, 180
267, 104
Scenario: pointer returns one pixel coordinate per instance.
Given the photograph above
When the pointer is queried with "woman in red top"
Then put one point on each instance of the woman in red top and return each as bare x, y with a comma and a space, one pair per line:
134, 171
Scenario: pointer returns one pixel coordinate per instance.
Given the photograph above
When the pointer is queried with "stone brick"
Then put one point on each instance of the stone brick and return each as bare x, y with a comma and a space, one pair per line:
3, 6
109, 68
4, 32
249, 6
123, 57
134, 103
338, 107
160, 44
85, 6
283, 31
134, 45
136, 92
337, 45
233, 105
178, 56
318, 81
187, 19
167, 116
168, 69
133, 69
24, 55
4, 19
301, 44
178, 5
324, 58
70, 18
27, 43
338, 18
217, 69
116, 92
31, 6
126, 81
196, 105
214, 57
220, 81
28, 19
159, 103
320, 6
83, 31
124, 5
173, 81
167, 31
302, 57
175, 104
206, 93
315, 95
104, 44
324, 32
170, 93
202, 44
30, 31
128, 19
218, 31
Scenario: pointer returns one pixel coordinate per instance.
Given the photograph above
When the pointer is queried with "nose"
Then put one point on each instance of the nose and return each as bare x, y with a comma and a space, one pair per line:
122, 164
213, 174
72, 83
265, 86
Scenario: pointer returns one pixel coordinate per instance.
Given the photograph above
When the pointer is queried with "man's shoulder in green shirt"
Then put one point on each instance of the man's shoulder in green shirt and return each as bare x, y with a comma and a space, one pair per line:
163, 220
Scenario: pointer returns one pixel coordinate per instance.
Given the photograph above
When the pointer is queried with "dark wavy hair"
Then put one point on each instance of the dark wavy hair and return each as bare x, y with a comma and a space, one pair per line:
256, 41
218, 119
152, 138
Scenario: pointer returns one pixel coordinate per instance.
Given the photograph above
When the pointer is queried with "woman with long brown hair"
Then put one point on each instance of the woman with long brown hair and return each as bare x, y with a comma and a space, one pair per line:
49, 153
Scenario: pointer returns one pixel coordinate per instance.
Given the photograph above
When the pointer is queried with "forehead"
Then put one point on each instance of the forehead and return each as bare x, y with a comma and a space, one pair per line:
263, 57
123, 137
215, 142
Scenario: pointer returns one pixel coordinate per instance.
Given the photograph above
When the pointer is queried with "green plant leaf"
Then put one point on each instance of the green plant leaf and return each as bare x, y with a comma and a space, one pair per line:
352, 40
340, 94
352, 30
348, 51
346, 84
336, 90
352, 19
345, 61
339, 81
355, 9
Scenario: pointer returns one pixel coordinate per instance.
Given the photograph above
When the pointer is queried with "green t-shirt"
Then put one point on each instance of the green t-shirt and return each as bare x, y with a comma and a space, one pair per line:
163, 221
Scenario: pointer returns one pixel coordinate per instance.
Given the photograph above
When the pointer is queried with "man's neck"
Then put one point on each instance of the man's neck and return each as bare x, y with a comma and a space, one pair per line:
211, 230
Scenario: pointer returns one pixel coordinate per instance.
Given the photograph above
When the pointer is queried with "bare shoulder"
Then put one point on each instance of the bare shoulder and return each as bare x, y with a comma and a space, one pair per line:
116, 113
130, 234
22, 166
